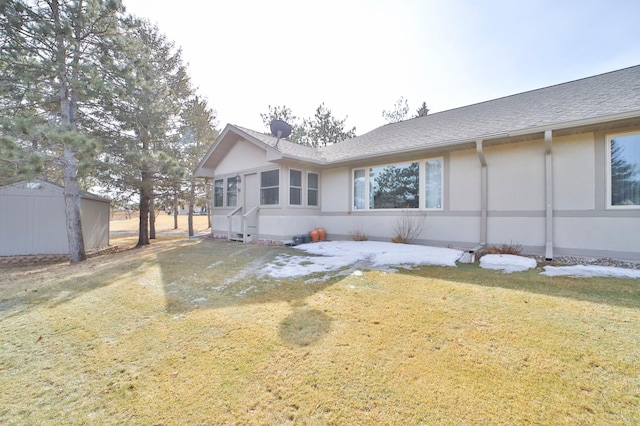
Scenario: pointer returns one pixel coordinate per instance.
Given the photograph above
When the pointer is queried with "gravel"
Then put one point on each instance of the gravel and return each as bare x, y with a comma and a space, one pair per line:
575, 260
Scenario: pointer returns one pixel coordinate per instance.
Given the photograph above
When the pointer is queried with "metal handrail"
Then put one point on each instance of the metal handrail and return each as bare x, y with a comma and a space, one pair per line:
235, 211
229, 217
250, 212
244, 222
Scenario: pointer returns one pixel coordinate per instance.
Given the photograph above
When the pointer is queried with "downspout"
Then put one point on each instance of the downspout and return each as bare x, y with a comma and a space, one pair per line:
210, 209
483, 193
548, 137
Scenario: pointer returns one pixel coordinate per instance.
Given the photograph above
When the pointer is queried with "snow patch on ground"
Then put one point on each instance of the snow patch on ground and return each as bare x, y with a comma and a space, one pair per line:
350, 257
507, 262
587, 271
328, 256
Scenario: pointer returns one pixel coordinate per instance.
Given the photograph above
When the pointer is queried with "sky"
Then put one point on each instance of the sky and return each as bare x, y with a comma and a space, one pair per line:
360, 56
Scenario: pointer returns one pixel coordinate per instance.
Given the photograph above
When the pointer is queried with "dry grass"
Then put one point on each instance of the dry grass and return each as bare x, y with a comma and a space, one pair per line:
187, 332
124, 231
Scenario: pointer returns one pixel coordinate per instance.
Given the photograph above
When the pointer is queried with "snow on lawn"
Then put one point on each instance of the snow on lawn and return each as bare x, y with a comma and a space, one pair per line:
347, 256
507, 262
586, 271
335, 255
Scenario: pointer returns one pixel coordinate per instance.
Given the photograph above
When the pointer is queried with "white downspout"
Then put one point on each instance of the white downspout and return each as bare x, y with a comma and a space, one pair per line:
483, 193
548, 137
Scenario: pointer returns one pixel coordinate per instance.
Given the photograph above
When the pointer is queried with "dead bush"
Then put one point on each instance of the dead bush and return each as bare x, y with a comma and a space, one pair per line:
515, 249
358, 235
408, 227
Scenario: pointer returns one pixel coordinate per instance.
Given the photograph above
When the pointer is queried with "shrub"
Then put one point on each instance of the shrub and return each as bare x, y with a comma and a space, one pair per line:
408, 227
358, 235
515, 249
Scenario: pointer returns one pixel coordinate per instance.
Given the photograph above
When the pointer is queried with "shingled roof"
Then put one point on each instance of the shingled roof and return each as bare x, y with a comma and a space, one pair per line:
287, 148
599, 99
602, 97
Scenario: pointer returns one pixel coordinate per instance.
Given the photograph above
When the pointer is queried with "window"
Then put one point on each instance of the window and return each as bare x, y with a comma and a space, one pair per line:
232, 191
358, 189
399, 186
295, 187
270, 187
218, 193
394, 187
433, 184
624, 170
312, 189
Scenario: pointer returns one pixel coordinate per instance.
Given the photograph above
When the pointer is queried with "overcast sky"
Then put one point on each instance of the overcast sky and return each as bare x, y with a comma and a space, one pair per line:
360, 56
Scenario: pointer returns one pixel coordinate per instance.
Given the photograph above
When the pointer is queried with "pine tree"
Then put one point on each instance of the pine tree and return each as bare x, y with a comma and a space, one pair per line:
148, 110
52, 90
398, 113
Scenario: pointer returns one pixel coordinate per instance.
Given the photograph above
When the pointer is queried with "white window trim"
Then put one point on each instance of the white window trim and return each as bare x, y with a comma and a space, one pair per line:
306, 193
423, 184
422, 179
608, 194
226, 192
260, 188
301, 187
213, 201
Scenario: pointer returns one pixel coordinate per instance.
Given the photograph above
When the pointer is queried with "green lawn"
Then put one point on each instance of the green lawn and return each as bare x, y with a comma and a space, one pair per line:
188, 332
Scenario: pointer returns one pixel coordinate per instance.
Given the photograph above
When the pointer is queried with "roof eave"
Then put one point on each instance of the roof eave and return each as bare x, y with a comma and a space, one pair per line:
576, 123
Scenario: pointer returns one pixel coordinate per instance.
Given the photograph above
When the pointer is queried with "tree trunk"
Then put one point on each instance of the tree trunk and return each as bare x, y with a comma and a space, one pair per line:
68, 116
143, 228
192, 200
145, 198
72, 208
175, 213
152, 218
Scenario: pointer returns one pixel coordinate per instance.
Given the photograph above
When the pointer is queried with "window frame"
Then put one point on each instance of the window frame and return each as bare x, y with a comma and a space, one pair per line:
276, 187
422, 185
228, 192
608, 179
316, 189
297, 188
221, 193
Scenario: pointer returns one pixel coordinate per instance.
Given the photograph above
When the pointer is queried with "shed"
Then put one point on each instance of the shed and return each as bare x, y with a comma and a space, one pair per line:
33, 222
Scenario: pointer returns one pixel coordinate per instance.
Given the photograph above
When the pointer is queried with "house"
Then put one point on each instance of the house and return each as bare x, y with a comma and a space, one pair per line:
33, 220
555, 170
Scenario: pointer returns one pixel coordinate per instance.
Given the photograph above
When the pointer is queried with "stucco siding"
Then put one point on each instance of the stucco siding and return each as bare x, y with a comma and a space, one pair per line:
516, 176
599, 234
286, 227
242, 156
464, 178
335, 190
574, 172
524, 231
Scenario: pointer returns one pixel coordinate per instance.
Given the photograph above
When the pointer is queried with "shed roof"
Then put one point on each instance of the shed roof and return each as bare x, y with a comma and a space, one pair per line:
83, 194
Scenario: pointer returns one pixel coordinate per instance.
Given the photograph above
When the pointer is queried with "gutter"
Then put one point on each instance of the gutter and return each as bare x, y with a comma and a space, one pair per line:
576, 123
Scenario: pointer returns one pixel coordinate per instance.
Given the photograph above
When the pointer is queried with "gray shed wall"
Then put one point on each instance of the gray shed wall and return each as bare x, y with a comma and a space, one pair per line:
32, 221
